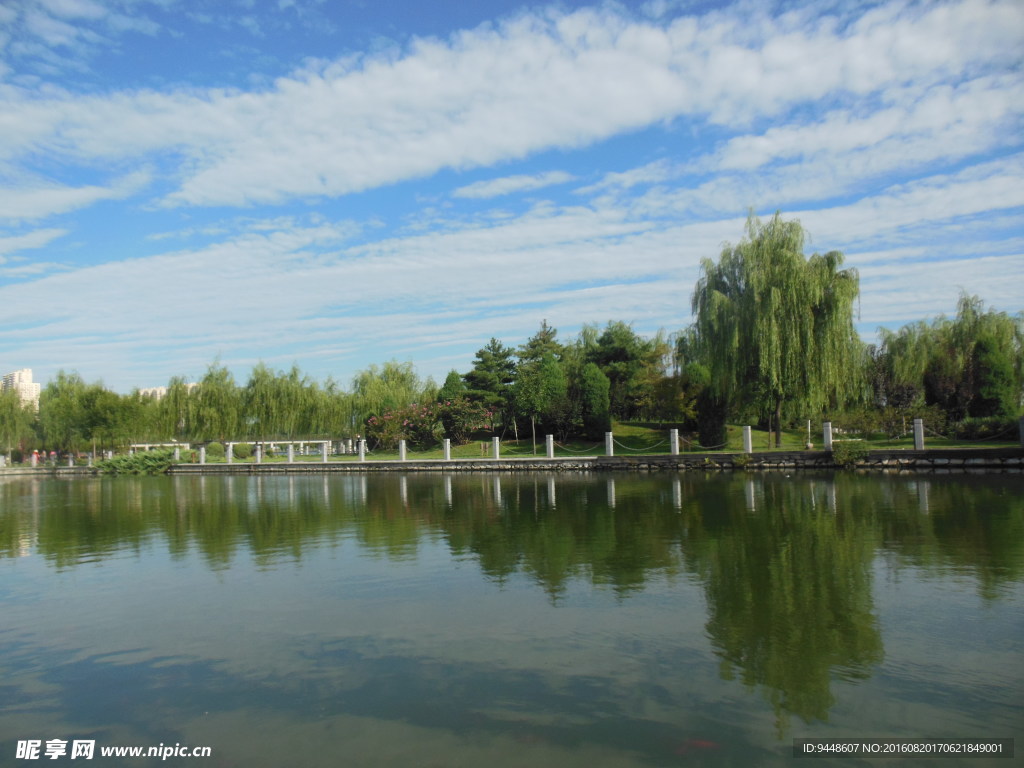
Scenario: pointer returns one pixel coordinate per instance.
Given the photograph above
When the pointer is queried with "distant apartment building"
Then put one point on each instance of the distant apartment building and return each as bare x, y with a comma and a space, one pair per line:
159, 393
21, 382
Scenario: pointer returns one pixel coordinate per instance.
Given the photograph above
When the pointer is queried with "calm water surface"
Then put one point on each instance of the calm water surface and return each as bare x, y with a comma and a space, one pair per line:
511, 620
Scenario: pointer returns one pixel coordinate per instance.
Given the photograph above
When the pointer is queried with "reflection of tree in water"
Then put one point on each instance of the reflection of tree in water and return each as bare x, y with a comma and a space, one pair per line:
785, 562
788, 586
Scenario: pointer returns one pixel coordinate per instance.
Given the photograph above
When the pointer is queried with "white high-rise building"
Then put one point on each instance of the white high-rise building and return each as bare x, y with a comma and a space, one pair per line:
21, 381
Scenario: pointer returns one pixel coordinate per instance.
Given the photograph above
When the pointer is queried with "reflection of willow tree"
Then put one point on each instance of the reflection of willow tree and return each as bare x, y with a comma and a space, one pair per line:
789, 592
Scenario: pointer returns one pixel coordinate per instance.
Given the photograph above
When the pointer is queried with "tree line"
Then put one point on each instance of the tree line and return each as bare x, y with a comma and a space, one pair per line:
773, 344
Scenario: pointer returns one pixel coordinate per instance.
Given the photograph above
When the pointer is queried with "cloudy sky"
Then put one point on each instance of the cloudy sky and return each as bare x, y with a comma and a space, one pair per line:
337, 183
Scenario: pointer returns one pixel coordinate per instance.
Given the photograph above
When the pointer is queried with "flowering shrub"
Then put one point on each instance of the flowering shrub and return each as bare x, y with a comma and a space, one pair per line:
460, 418
422, 426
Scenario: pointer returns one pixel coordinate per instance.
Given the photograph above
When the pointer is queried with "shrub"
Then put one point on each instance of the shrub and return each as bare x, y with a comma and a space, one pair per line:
242, 451
215, 451
985, 428
741, 460
849, 452
141, 463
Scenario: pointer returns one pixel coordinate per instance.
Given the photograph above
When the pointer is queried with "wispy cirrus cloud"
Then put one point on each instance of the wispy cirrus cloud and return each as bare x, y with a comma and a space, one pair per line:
509, 184
35, 239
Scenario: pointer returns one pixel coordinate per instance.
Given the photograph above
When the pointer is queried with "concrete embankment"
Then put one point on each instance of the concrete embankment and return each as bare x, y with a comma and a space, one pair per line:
1010, 459
1006, 459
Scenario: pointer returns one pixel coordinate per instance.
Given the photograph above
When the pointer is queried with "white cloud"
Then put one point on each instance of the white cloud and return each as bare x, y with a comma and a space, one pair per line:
28, 241
498, 93
36, 201
945, 123
510, 184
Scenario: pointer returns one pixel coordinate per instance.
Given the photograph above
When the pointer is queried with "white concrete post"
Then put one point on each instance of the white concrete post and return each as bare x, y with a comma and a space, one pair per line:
257, 453
177, 453
71, 461
447, 444
35, 459
609, 444
826, 433
496, 446
748, 440
918, 434
401, 450
362, 450
323, 451
229, 453
549, 446
673, 442
202, 454
291, 453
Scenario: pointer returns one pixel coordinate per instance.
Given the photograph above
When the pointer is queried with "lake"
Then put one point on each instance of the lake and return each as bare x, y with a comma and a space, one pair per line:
510, 619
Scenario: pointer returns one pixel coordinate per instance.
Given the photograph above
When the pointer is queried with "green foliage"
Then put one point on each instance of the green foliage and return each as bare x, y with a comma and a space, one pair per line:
15, 420
453, 387
986, 428
774, 326
421, 425
635, 367
217, 405
849, 453
461, 417
241, 451
215, 451
711, 420
972, 365
490, 380
595, 402
140, 463
376, 391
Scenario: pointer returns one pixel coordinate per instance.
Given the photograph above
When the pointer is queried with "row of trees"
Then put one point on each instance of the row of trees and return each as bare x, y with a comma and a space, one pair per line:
569, 389
773, 343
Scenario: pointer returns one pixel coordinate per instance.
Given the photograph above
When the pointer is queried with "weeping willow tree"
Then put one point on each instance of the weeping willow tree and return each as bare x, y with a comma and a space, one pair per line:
972, 365
775, 327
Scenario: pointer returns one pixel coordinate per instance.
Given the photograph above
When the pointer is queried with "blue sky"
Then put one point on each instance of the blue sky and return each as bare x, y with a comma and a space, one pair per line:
337, 184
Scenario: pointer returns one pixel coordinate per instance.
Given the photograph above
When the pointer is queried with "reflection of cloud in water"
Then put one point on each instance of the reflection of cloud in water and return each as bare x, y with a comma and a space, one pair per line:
388, 710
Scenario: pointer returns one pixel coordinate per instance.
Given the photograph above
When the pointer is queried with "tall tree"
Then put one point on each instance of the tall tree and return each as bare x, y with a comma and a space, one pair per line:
16, 420
489, 382
62, 412
218, 405
777, 327
378, 390
595, 401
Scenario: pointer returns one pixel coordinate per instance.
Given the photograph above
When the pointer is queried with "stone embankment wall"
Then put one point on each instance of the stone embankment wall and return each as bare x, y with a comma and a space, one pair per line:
1007, 459
1010, 459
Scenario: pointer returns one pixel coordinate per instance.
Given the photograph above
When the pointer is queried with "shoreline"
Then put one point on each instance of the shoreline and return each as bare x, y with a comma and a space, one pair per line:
951, 459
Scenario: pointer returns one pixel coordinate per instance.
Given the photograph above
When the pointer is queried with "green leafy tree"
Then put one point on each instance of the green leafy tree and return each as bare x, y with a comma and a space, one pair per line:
218, 405
16, 420
378, 390
541, 393
776, 328
966, 366
595, 401
489, 382
635, 368
62, 412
